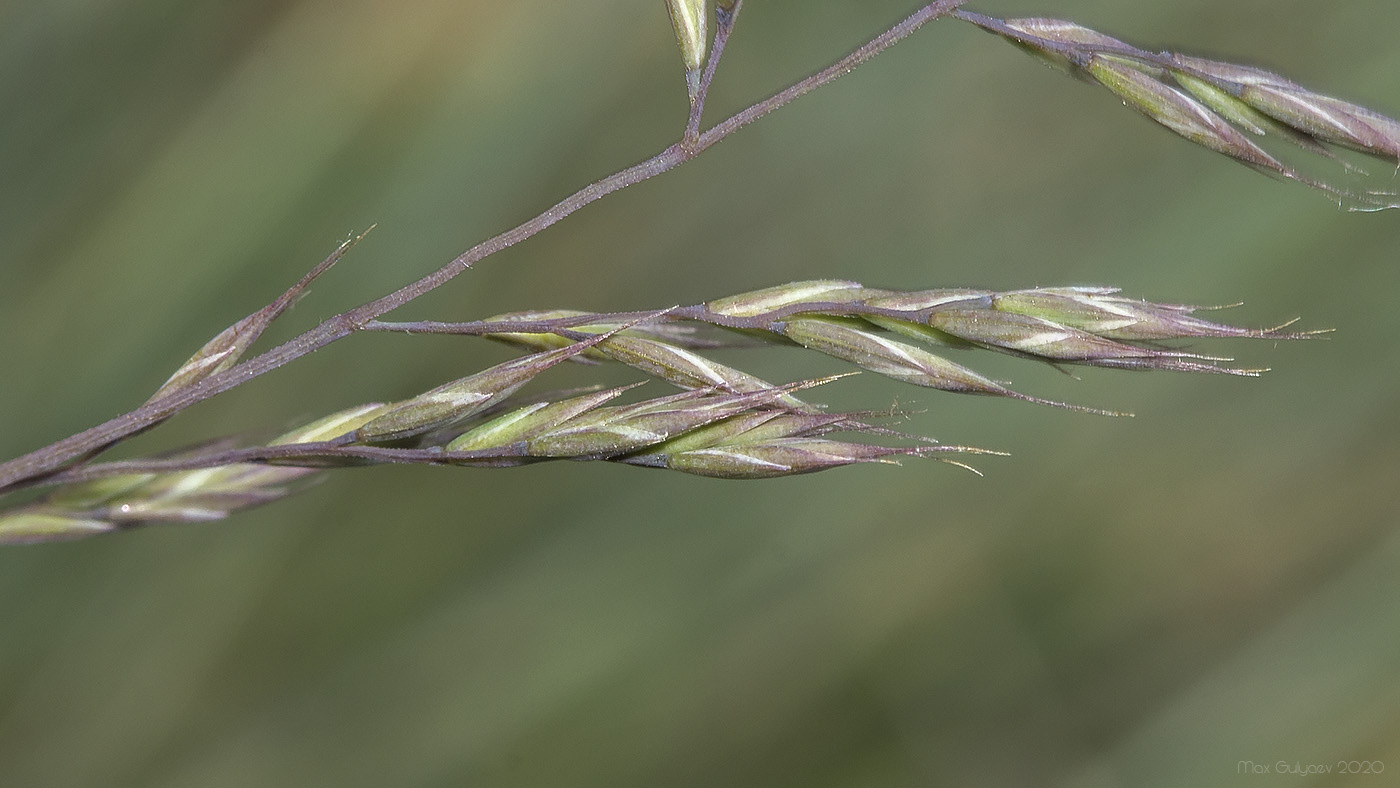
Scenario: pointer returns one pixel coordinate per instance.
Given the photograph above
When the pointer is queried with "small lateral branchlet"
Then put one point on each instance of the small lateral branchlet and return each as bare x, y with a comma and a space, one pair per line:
229, 345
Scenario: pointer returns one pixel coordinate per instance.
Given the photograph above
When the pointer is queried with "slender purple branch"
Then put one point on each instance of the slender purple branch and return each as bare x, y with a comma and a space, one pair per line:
766, 321
838, 69
321, 454
56, 455
331, 455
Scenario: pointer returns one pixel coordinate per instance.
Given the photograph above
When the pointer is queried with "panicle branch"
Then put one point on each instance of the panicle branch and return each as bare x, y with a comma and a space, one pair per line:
724, 422
1219, 106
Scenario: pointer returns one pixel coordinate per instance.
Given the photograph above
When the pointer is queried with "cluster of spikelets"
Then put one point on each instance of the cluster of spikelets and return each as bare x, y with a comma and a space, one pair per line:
724, 423
1213, 104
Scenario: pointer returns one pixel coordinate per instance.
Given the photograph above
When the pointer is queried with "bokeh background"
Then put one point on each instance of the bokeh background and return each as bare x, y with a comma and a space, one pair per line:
1174, 599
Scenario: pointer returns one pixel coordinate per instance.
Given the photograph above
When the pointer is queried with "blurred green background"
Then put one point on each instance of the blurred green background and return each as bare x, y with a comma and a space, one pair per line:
1122, 602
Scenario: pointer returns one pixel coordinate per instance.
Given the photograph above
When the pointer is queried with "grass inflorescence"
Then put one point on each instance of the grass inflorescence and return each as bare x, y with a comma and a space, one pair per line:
1220, 106
722, 423
725, 422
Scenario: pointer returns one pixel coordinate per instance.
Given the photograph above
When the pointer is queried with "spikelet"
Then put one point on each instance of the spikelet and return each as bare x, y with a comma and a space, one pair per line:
1217, 105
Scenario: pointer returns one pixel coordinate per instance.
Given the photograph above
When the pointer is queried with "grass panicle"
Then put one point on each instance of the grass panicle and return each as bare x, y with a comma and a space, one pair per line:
1088, 326
723, 423
113, 503
118, 502
1217, 105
